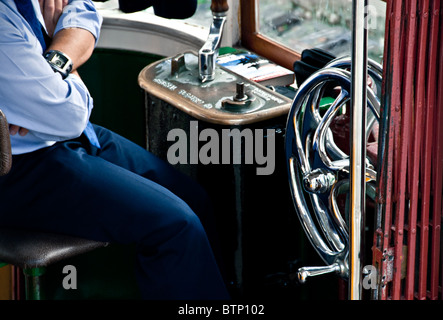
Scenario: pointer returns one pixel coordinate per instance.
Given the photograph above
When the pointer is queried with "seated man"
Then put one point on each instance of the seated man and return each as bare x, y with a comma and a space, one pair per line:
74, 178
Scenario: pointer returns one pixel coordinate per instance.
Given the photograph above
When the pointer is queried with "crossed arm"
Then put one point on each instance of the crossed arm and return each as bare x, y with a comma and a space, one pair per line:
77, 43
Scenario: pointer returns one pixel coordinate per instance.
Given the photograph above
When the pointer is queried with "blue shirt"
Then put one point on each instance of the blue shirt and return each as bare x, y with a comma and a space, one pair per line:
32, 95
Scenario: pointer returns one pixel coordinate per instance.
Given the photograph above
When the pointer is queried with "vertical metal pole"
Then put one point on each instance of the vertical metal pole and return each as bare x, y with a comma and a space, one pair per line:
358, 147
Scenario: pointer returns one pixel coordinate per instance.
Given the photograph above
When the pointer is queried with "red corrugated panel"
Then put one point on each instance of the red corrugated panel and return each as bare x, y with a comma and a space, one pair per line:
434, 146
384, 199
407, 137
407, 239
421, 109
399, 147
437, 265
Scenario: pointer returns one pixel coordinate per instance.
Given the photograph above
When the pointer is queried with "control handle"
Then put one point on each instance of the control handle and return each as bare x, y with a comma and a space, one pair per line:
305, 272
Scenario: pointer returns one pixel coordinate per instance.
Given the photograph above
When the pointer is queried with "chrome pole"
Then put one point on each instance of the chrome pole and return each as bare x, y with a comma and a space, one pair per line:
358, 146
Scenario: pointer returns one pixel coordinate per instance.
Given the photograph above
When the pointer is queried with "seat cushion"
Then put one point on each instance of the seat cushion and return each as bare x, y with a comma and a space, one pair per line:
29, 249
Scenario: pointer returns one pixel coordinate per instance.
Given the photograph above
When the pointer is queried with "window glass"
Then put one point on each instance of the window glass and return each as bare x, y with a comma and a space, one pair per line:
203, 14
325, 24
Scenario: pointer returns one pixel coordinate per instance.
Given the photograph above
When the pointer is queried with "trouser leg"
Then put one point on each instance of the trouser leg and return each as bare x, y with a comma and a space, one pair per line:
107, 196
126, 154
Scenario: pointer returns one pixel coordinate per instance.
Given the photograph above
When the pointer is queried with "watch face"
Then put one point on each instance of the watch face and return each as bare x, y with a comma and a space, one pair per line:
58, 60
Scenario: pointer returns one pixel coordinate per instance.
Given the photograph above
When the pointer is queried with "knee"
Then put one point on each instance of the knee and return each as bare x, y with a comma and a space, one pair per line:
180, 222
186, 220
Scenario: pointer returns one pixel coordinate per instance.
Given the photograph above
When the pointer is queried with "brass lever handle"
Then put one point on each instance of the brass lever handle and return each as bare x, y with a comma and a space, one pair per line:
219, 6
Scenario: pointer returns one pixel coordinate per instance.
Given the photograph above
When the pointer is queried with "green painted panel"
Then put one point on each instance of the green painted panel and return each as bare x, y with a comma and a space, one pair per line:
111, 77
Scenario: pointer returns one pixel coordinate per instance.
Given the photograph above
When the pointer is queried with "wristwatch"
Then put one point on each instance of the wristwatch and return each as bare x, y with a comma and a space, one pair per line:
59, 62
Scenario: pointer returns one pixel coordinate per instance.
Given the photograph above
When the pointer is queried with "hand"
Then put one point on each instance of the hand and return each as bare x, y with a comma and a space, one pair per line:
51, 11
13, 130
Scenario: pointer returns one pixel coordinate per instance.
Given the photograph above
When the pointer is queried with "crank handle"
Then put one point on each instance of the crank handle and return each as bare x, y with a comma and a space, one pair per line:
305, 272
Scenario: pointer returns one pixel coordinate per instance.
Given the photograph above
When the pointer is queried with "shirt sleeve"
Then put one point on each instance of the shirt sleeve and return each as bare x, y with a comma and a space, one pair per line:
32, 95
80, 14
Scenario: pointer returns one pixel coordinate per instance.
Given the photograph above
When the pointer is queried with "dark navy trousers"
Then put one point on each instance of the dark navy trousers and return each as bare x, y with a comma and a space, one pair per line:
119, 193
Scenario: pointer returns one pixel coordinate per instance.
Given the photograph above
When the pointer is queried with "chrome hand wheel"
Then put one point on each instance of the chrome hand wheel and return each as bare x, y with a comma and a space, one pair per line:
318, 168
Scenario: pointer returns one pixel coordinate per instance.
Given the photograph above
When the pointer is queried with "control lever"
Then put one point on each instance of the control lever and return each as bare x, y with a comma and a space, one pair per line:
305, 272
207, 55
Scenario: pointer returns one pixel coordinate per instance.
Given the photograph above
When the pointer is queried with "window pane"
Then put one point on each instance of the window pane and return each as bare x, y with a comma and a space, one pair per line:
203, 14
325, 24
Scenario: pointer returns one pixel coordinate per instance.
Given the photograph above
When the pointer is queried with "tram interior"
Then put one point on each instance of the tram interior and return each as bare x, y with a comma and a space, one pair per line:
263, 242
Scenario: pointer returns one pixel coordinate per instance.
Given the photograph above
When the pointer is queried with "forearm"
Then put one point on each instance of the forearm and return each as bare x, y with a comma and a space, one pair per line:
74, 27
77, 43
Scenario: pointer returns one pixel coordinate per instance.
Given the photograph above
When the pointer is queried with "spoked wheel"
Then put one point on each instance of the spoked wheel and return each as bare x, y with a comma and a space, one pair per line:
317, 155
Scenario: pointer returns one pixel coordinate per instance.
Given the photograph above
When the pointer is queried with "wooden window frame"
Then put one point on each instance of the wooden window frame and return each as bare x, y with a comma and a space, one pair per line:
253, 40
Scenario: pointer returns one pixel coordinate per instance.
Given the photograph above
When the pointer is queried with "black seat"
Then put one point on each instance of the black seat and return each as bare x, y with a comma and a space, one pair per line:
29, 249
33, 251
